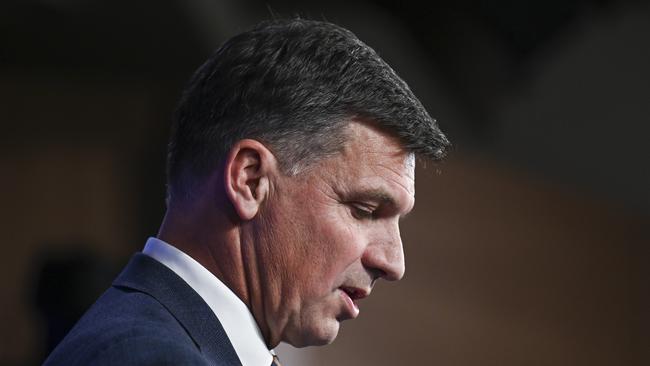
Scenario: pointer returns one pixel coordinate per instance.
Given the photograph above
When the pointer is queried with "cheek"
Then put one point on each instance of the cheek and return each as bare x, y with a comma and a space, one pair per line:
340, 245
322, 241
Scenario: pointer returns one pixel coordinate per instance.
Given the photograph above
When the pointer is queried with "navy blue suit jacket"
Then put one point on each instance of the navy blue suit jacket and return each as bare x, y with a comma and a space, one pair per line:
150, 316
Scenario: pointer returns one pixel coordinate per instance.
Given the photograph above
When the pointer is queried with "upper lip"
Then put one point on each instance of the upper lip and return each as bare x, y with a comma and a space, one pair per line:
355, 293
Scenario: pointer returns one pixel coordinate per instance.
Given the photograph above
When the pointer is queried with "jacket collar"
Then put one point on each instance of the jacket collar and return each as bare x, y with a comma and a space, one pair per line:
147, 275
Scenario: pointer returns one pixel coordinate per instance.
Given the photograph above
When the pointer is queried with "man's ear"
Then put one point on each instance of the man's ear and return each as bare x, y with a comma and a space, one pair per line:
246, 176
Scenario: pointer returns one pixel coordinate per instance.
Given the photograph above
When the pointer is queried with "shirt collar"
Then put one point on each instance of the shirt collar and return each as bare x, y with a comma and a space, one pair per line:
236, 319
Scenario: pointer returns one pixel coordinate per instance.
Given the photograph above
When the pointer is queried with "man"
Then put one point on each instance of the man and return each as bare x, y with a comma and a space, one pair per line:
290, 164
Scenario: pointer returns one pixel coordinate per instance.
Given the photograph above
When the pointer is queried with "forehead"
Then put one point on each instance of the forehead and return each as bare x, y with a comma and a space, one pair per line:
374, 161
368, 144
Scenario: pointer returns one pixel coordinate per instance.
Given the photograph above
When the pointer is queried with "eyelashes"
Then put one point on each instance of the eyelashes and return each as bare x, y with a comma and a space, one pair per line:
362, 212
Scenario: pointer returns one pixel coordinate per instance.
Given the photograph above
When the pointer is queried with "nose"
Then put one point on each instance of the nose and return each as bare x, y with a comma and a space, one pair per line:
384, 255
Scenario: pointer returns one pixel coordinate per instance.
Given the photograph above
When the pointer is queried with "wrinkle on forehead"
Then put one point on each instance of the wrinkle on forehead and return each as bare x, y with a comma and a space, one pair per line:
370, 153
397, 175
364, 139
375, 159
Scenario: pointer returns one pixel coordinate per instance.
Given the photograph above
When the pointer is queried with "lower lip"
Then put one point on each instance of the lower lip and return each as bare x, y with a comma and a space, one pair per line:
353, 310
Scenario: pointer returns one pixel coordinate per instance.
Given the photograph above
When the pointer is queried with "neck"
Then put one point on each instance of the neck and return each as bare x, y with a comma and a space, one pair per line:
215, 241
210, 238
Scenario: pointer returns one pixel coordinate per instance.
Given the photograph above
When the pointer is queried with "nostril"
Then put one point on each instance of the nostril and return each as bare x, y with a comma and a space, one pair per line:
384, 261
377, 273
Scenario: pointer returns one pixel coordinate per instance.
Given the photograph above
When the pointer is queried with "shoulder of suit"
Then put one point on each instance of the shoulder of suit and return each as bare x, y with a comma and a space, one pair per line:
127, 327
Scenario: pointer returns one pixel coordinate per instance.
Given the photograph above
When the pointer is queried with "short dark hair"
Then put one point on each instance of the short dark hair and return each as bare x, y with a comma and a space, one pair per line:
292, 85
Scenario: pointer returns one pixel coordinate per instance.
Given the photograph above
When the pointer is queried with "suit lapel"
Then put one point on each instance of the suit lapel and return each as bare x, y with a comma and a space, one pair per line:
147, 275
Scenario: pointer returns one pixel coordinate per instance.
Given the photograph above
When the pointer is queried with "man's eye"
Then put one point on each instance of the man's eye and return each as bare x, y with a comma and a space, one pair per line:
362, 213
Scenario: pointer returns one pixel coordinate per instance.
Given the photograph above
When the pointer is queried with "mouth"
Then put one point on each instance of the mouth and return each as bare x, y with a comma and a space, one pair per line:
350, 295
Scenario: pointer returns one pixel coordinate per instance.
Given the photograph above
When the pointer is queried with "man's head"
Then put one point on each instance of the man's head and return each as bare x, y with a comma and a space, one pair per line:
293, 85
309, 139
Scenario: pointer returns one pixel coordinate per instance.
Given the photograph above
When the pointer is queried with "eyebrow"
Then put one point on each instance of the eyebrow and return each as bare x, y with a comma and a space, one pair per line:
377, 195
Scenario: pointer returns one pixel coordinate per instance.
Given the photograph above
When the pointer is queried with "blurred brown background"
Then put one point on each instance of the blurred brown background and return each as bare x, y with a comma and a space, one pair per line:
528, 247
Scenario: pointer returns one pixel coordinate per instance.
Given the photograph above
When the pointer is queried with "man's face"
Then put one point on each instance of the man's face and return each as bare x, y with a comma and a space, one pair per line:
329, 233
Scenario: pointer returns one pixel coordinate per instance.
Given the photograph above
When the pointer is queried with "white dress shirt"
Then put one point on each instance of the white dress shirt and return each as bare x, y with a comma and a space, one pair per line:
236, 319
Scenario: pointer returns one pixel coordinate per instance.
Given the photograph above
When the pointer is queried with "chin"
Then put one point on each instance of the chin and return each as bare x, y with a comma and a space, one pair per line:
320, 334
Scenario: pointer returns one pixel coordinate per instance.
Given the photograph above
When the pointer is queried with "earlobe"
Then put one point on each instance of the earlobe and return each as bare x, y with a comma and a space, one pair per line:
246, 177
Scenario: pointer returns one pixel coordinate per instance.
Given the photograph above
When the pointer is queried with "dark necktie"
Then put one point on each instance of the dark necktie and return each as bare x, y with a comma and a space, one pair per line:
276, 361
